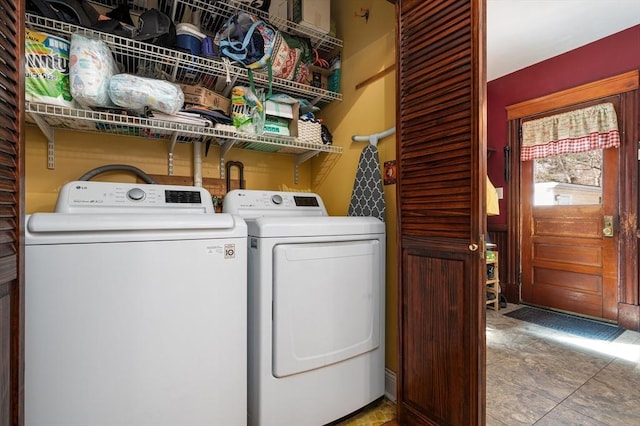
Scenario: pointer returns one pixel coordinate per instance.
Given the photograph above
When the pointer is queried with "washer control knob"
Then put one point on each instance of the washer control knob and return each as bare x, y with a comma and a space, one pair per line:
135, 194
276, 199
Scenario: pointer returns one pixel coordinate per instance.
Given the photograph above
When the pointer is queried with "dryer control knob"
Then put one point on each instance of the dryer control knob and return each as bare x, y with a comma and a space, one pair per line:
136, 194
276, 199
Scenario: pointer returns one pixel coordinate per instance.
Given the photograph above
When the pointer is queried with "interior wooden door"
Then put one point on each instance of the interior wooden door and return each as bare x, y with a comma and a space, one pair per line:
440, 192
569, 261
11, 214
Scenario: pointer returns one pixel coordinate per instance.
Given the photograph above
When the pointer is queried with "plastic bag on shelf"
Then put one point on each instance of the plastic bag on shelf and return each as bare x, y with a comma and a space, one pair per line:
333, 81
47, 69
136, 93
91, 66
247, 110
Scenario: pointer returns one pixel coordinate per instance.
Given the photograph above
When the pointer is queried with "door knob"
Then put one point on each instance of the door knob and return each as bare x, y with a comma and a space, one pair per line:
607, 231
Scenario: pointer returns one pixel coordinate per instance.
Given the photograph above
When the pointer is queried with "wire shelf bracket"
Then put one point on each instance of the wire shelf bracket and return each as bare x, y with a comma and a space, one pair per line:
49, 134
301, 158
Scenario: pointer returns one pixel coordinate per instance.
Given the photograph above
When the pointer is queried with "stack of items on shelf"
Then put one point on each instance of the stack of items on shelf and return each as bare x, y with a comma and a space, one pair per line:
82, 71
281, 116
198, 97
289, 55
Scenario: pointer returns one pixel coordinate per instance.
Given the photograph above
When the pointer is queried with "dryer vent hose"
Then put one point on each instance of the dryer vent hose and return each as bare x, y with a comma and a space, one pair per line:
117, 167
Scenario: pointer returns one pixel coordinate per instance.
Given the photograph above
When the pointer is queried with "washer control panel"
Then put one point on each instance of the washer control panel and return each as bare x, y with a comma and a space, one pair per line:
103, 197
255, 203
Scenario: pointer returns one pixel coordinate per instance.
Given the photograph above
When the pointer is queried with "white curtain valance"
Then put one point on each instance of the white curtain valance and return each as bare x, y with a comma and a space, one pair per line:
581, 130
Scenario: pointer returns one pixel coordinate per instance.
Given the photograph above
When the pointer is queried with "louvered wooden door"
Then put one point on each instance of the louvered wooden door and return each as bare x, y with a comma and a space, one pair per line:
11, 214
441, 145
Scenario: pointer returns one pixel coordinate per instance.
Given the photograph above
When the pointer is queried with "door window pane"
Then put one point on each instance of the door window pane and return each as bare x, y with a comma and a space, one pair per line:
568, 179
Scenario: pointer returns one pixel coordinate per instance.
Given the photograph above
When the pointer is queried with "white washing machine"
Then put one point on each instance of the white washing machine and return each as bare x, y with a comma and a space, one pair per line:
316, 308
135, 309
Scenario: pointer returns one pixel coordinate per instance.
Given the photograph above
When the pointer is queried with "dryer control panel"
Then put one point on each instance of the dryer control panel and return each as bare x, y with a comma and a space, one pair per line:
255, 203
106, 197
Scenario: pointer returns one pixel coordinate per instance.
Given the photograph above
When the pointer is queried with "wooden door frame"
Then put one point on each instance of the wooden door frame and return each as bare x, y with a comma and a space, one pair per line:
627, 85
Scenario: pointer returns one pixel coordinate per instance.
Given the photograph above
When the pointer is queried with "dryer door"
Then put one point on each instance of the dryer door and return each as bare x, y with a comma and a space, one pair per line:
327, 303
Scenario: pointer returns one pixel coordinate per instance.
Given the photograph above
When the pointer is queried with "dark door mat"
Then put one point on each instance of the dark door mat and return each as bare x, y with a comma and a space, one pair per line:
567, 323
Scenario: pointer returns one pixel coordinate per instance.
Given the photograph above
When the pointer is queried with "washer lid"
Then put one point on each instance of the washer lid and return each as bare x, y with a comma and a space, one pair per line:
59, 228
266, 227
102, 222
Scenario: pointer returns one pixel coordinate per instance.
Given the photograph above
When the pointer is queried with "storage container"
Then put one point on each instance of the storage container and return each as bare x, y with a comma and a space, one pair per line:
314, 14
189, 38
310, 131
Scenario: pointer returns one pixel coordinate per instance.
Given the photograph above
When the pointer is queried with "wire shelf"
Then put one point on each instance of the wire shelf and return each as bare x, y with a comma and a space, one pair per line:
88, 120
146, 59
214, 13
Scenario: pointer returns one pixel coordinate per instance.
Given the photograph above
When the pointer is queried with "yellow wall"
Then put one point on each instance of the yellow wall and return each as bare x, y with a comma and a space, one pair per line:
369, 47
79, 152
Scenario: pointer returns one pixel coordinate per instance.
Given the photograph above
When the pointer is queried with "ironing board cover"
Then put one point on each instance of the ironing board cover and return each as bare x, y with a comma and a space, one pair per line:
367, 198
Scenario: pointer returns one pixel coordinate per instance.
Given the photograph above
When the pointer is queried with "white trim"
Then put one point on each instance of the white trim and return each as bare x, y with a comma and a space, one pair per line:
390, 384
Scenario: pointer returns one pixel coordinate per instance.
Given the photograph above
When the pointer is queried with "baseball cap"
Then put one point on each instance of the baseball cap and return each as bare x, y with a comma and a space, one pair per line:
156, 28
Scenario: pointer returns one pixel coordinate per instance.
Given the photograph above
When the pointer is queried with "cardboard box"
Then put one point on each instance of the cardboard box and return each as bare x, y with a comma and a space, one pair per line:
319, 77
278, 13
198, 95
288, 111
277, 126
314, 14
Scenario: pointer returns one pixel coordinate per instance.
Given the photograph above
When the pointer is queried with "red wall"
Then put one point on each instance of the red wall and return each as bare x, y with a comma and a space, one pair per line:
604, 58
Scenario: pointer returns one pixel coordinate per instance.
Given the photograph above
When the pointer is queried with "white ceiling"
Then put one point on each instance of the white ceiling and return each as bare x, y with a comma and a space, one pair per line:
524, 32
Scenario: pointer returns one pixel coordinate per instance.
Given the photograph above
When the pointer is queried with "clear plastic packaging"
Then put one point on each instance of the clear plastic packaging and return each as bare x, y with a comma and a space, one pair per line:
137, 93
91, 67
247, 110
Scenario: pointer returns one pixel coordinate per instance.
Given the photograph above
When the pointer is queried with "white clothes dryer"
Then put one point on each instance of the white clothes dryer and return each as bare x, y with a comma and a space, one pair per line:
316, 308
135, 309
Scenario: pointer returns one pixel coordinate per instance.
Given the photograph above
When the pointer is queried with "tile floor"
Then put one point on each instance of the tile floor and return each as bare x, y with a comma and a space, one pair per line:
538, 376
